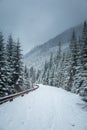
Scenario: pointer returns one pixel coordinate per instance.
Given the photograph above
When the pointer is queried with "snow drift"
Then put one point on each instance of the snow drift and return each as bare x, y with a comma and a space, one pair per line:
47, 108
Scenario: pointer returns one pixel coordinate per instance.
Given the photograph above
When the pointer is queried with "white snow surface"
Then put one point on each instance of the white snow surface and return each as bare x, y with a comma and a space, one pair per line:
47, 108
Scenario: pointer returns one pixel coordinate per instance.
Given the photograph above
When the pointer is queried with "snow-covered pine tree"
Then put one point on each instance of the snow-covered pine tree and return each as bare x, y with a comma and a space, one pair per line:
50, 71
26, 80
38, 74
51, 61
18, 67
44, 72
47, 78
58, 55
64, 71
80, 77
74, 54
10, 60
3, 79
56, 78
10, 51
51, 74
60, 50
83, 73
77, 77
84, 48
32, 76
73, 48
57, 68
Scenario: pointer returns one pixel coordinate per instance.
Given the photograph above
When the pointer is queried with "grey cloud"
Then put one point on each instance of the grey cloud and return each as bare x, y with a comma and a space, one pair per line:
36, 21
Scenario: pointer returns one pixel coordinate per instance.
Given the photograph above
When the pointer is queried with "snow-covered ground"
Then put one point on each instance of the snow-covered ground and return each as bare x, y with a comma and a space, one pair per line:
47, 108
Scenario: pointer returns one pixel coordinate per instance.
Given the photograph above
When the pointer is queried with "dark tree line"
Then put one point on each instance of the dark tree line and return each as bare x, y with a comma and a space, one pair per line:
11, 67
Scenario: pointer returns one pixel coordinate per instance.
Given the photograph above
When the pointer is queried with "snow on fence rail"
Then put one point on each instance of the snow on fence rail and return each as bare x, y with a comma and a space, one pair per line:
11, 97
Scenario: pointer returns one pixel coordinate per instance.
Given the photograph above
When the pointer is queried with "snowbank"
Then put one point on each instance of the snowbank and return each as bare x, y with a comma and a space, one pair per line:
47, 108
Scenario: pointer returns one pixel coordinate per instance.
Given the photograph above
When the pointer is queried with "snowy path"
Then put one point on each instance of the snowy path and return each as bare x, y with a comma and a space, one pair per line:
47, 108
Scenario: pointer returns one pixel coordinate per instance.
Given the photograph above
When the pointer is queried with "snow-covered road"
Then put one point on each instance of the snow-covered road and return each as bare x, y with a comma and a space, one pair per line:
47, 108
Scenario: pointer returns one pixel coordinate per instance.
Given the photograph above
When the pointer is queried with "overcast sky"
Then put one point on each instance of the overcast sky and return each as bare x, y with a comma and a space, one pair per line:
36, 21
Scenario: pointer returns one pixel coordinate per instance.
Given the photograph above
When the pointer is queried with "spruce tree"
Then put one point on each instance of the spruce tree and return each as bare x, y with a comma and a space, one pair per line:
14, 65
84, 48
51, 61
73, 48
32, 76
44, 72
26, 80
51, 78
38, 75
60, 50
18, 65
83, 73
74, 54
58, 55
3, 79
47, 78
10, 61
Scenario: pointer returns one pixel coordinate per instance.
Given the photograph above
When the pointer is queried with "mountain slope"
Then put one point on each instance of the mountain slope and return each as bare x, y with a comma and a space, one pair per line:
39, 54
47, 108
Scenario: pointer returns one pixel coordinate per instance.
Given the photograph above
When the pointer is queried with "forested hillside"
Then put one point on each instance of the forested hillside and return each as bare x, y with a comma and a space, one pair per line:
67, 69
37, 56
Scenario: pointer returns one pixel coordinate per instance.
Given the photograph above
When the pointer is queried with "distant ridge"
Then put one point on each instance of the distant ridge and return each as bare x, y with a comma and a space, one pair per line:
37, 56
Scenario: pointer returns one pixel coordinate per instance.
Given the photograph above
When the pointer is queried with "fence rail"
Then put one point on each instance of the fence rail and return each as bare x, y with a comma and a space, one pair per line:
13, 96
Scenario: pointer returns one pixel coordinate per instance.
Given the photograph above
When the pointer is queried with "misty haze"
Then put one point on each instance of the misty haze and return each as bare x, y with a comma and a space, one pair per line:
43, 65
